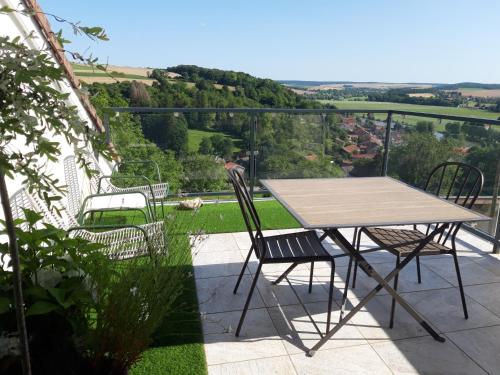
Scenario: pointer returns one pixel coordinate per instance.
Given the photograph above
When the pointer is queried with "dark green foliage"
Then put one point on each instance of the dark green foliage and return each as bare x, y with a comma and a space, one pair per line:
217, 145
413, 161
204, 173
453, 129
425, 127
206, 147
486, 159
367, 167
169, 132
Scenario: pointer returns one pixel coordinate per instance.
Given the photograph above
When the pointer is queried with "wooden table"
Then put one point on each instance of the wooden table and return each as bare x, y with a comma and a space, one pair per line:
333, 203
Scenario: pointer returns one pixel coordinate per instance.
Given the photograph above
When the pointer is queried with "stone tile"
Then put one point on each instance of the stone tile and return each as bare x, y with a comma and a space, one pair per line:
472, 273
299, 334
222, 263
321, 283
443, 309
272, 366
408, 280
215, 243
373, 321
487, 295
482, 345
216, 294
273, 295
359, 360
242, 240
258, 339
424, 355
490, 262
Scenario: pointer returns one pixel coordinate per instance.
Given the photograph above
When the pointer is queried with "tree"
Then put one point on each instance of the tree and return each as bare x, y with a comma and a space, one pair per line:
222, 146
33, 110
425, 127
139, 96
167, 131
206, 147
203, 173
453, 128
413, 161
486, 159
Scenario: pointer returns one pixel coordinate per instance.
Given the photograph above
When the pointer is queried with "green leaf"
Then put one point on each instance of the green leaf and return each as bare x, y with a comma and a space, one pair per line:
41, 307
4, 305
59, 294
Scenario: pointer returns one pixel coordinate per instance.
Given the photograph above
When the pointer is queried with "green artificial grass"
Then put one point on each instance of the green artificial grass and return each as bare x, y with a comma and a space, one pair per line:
177, 346
217, 217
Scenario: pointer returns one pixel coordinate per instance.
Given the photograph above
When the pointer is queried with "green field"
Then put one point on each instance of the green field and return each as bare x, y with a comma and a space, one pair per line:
411, 120
112, 74
195, 137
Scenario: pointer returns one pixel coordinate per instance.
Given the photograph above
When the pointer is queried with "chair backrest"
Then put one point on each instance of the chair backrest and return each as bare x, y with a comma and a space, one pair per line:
96, 184
74, 193
248, 211
458, 182
22, 199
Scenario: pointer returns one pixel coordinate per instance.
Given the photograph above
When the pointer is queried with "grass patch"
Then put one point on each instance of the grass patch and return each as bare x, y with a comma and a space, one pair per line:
217, 217
226, 217
195, 137
177, 346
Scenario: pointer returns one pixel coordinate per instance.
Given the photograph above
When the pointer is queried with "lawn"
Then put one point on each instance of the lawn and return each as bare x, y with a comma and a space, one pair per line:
195, 137
217, 217
472, 112
177, 347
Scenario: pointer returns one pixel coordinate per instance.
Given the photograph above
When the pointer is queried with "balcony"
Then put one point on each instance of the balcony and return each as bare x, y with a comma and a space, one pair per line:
278, 331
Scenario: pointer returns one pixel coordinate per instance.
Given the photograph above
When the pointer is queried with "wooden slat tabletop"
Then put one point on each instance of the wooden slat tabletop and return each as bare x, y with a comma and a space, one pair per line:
365, 201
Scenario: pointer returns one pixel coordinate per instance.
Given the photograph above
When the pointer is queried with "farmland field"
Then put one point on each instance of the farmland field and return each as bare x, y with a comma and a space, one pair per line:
479, 93
195, 137
411, 120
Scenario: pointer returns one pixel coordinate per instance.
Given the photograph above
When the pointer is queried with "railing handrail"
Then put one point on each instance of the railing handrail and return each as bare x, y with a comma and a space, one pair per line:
318, 111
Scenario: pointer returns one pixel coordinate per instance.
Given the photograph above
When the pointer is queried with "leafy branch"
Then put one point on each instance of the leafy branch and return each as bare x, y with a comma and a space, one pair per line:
94, 33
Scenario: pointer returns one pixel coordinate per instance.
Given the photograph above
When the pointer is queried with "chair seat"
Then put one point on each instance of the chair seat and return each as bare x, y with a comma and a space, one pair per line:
294, 247
389, 237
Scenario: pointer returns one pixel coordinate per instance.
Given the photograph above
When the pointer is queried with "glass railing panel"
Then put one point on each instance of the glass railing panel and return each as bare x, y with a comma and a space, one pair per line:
417, 146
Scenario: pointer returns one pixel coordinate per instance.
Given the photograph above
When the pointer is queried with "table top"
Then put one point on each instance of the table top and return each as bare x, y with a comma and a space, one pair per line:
363, 201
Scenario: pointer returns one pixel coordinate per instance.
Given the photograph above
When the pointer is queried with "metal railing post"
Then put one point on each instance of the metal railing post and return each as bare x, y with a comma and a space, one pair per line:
496, 242
253, 134
495, 209
387, 143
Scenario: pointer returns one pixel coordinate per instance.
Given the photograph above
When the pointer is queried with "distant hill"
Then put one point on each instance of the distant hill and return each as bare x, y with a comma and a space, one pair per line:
469, 85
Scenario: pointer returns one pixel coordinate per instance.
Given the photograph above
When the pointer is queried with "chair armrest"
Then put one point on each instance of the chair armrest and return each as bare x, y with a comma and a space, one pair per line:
148, 182
147, 204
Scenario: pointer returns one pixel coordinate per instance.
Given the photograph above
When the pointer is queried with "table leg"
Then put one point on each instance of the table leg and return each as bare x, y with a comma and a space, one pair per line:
336, 236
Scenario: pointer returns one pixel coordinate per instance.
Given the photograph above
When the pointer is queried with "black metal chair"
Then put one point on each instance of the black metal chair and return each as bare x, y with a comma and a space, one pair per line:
294, 248
461, 184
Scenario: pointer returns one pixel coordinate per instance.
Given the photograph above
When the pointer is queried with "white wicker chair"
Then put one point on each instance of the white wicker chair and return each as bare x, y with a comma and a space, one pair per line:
101, 183
104, 201
121, 242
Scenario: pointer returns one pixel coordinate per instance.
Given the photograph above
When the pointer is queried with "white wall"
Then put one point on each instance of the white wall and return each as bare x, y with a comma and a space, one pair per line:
16, 24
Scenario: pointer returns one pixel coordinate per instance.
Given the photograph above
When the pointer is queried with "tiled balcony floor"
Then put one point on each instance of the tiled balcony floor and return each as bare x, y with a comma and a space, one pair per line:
277, 332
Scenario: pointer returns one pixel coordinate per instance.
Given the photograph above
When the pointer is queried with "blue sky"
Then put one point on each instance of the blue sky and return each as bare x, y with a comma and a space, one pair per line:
359, 40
